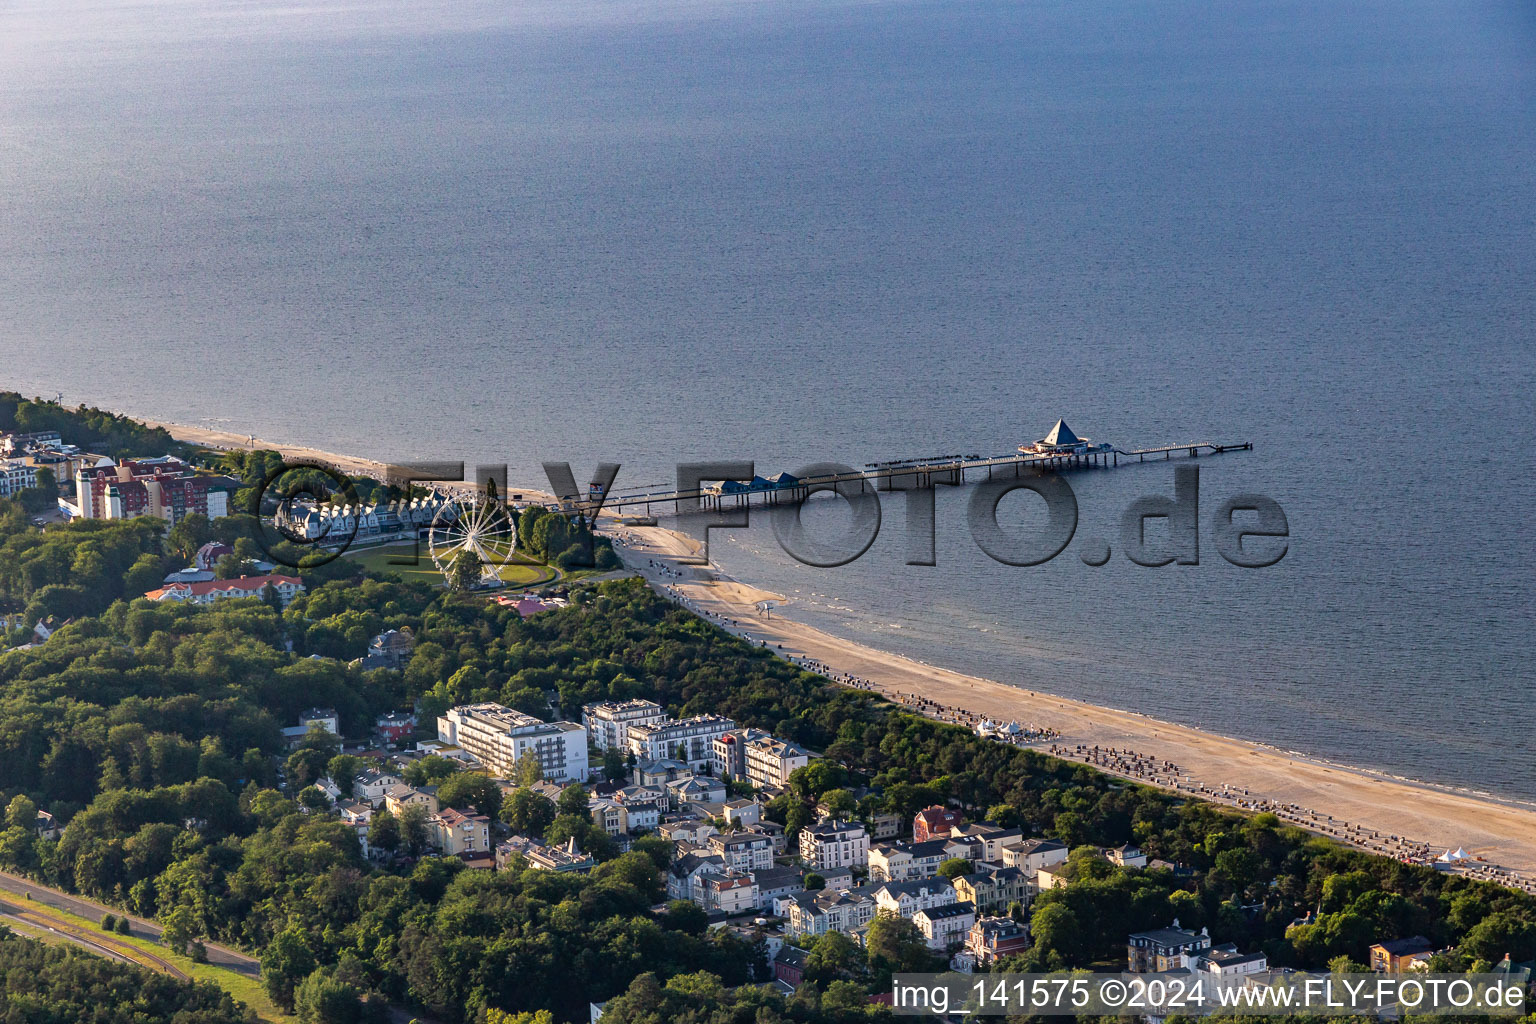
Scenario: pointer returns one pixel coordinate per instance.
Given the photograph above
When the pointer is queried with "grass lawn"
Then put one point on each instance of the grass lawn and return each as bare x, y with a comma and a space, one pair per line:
517, 572
246, 989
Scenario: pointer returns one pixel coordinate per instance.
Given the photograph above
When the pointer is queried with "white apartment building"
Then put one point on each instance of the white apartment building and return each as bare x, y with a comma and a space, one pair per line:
834, 844
743, 851
730, 892
654, 741
498, 737
16, 475
770, 761
608, 723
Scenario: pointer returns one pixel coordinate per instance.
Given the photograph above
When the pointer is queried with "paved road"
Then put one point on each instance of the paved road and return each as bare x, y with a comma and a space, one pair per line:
15, 915
218, 956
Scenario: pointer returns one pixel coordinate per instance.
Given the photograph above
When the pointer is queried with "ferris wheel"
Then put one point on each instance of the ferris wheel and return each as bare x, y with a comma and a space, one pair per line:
477, 523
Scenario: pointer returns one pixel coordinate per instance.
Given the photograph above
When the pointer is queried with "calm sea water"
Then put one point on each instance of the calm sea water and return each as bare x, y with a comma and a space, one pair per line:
652, 232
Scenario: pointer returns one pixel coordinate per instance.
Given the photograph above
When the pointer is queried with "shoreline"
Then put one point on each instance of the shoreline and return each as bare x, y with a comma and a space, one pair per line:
229, 440
1376, 811
1373, 810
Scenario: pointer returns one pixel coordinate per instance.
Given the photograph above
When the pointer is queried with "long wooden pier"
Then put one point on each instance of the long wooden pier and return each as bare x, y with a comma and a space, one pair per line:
901, 475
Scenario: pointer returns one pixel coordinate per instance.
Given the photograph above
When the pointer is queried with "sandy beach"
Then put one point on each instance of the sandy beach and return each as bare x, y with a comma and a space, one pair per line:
226, 440
1388, 816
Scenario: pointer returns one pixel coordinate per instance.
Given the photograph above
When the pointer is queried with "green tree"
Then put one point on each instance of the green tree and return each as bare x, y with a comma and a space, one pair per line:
528, 812
470, 789
384, 831
895, 944
413, 828
21, 812
324, 999
464, 573
573, 800
528, 771
287, 961
954, 867
431, 770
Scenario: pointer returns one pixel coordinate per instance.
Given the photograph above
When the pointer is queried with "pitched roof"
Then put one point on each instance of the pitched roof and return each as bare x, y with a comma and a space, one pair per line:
245, 584
1407, 947
1061, 434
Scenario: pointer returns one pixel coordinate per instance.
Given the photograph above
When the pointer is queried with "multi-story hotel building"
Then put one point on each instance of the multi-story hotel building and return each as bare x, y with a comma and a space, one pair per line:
164, 487
608, 723
656, 740
498, 737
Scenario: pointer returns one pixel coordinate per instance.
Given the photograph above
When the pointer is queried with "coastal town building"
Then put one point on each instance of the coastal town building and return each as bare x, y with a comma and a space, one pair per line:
906, 898
564, 857
164, 487
455, 831
1126, 856
1032, 855
834, 844
212, 591
498, 737
395, 727
1165, 949
993, 937
350, 523
685, 875
945, 927
687, 739
934, 823
994, 889
994, 839
1226, 962
390, 649
686, 830
16, 475
902, 862
692, 790
609, 815
770, 761
816, 913
398, 797
1401, 955
658, 772
729, 751
774, 882
729, 892
743, 851
371, 785
608, 723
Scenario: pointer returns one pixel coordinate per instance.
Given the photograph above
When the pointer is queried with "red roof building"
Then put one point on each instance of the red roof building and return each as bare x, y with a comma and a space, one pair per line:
934, 823
287, 587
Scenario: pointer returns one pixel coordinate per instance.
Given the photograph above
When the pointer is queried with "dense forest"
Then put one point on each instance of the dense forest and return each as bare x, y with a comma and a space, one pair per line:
152, 732
63, 985
94, 430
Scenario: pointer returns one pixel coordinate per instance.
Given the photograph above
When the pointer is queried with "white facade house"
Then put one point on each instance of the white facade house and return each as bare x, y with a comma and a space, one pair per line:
608, 723
286, 587
657, 740
16, 475
834, 844
743, 851
498, 737
1035, 854
945, 927
770, 761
